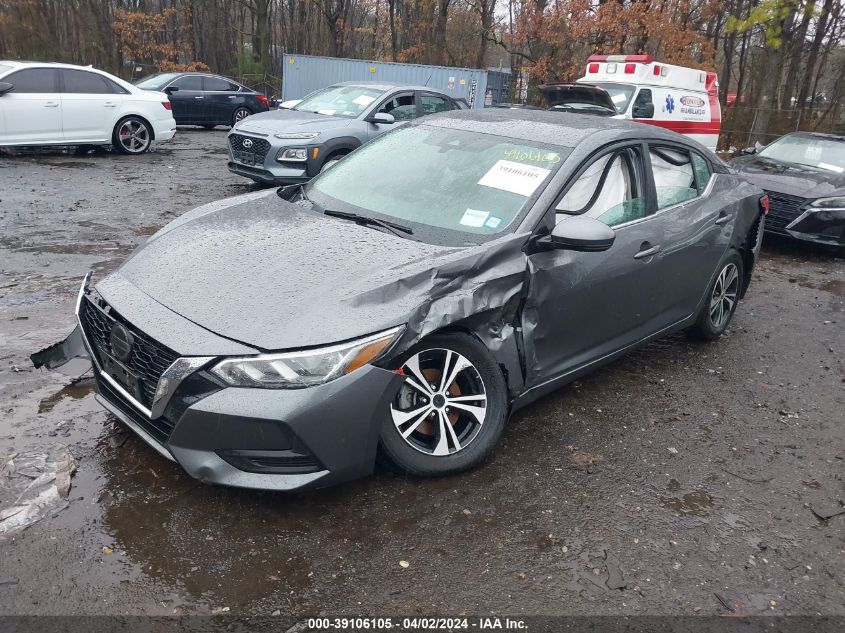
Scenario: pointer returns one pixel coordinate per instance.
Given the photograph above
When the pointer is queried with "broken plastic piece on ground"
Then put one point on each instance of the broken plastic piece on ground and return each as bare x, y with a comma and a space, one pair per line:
69, 357
34, 485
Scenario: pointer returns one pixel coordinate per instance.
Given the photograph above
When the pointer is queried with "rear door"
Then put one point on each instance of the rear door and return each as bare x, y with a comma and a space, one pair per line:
189, 100
33, 108
698, 224
589, 305
90, 103
221, 99
431, 103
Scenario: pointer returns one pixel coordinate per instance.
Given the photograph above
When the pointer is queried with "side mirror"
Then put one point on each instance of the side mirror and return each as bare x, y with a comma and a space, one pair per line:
580, 233
171, 89
382, 117
289, 192
5, 87
644, 111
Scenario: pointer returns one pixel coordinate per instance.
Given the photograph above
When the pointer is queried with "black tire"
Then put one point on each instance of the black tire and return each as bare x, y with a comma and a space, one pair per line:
409, 456
240, 114
713, 321
209, 127
139, 137
331, 160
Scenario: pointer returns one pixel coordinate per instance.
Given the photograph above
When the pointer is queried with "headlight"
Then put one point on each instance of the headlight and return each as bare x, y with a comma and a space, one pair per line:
305, 136
297, 154
292, 370
829, 203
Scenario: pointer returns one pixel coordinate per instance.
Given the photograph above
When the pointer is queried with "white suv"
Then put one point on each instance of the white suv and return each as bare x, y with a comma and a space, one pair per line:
60, 104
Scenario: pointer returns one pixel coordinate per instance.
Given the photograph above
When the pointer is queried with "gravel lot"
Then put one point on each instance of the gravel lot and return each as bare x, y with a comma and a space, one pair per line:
682, 471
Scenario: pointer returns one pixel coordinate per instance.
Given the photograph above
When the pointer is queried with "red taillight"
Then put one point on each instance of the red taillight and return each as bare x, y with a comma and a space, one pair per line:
263, 100
593, 68
630, 69
765, 204
167, 105
657, 70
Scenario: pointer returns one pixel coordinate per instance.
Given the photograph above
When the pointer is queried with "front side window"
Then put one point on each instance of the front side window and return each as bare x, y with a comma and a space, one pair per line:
33, 81
155, 82
348, 102
402, 107
674, 180
609, 190
808, 150
188, 82
82, 82
451, 186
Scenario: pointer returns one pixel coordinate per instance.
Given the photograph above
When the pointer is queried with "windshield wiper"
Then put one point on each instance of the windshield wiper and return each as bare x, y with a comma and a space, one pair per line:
397, 229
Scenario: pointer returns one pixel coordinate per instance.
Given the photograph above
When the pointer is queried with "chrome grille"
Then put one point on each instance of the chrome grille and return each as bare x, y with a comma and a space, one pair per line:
783, 209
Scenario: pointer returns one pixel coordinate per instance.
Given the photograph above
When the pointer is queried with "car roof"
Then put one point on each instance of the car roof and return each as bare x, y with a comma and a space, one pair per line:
386, 85
555, 128
28, 64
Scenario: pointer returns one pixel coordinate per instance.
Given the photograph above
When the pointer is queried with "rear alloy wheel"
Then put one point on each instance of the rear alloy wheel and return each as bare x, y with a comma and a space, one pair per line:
239, 115
722, 298
450, 411
132, 135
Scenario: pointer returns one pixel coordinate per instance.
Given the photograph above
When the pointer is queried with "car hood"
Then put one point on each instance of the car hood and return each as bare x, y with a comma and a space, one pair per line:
277, 121
275, 275
789, 178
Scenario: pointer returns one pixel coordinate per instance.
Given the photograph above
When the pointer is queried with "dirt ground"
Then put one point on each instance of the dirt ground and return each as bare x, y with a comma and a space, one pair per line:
683, 471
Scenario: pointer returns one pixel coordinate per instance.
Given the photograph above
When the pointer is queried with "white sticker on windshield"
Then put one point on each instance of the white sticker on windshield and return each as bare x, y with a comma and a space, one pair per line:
514, 177
363, 100
618, 98
830, 167
474, 217
328, 112
813, 152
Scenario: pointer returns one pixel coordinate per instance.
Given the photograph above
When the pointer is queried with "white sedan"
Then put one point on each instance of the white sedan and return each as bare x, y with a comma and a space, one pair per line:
61, 104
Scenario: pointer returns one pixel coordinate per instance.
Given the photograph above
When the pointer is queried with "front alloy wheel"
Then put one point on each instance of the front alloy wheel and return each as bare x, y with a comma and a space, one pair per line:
132, 135
449, 412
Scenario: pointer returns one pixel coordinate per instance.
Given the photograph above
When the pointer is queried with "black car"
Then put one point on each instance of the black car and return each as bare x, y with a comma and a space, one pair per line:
204, 99
804, 175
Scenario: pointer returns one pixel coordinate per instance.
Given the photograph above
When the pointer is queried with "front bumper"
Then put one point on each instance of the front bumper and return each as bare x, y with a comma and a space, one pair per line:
249, 438
820, 226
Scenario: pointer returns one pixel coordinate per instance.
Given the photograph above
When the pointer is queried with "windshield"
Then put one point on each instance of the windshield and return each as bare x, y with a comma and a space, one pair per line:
620, 94
583, 107
452, 186
155, 82
343, 101
4, 68
810, 151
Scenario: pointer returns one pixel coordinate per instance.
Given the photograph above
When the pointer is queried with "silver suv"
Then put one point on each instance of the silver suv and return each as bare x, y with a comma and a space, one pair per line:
294, 144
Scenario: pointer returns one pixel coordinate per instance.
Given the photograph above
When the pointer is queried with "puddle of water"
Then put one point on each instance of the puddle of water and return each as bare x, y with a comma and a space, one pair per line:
73, 391
695, 503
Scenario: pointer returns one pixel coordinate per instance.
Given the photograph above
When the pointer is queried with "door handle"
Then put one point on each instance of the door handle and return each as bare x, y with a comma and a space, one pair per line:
723, 218
51, 104
648, 250
110, 104
199, 97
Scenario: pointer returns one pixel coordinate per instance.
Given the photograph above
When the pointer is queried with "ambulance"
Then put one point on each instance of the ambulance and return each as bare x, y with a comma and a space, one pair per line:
684, 100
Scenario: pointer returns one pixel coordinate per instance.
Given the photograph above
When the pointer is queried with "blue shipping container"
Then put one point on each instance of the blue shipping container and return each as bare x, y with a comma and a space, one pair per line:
303, 74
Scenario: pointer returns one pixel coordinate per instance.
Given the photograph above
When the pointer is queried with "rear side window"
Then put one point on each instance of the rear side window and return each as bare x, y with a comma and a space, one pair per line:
218, 84
703, 171
608, 190
674, 179
34, 80
188, 82
432, 104
82, 82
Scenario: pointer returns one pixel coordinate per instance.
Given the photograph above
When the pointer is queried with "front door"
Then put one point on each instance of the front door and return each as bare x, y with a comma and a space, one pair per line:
188, 101
89, 106
402, 106
33, 108
582, 307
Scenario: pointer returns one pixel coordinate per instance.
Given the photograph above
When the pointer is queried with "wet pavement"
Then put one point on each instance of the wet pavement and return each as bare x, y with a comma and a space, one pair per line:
682, 471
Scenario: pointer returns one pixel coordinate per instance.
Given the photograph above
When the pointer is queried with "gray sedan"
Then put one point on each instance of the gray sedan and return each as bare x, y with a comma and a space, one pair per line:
410, 299
292, 145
